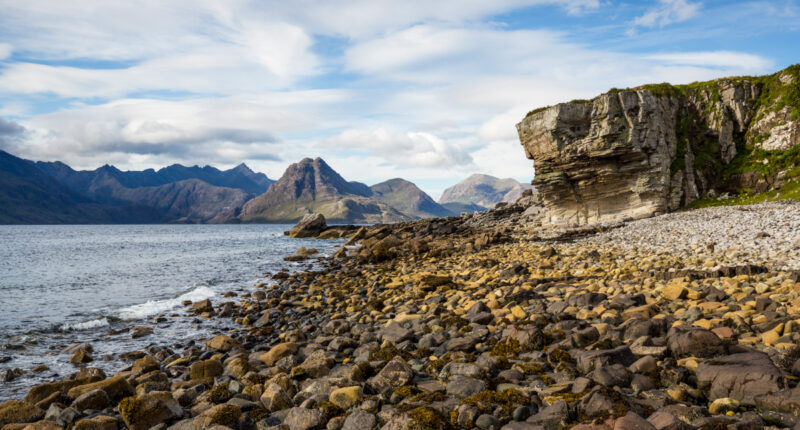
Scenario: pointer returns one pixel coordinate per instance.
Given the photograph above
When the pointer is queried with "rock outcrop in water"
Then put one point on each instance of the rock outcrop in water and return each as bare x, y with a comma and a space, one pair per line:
636, 153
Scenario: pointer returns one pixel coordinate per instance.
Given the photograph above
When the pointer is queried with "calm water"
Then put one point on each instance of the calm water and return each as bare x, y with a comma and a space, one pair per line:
61, 285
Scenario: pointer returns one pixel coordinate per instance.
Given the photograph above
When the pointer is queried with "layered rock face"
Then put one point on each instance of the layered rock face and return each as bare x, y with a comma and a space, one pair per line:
637, 153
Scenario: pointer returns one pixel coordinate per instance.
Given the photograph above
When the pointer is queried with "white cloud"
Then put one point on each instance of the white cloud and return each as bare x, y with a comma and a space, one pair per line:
5, 50
720, 59
668, 12
408, 149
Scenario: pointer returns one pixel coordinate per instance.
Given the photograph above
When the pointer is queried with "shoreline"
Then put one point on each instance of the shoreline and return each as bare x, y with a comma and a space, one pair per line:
484, 322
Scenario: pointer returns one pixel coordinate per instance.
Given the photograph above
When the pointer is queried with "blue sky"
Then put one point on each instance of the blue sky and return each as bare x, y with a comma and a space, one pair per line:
428, 91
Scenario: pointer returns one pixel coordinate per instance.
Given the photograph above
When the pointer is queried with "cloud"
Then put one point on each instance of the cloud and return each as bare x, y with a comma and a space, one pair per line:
5, 50
668, 12
409, 149
718, 59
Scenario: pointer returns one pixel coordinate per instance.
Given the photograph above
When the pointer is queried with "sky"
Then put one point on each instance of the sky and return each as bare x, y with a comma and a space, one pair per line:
429, 91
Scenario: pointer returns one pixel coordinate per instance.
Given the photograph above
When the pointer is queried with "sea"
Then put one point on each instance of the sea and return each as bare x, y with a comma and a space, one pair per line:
62, 285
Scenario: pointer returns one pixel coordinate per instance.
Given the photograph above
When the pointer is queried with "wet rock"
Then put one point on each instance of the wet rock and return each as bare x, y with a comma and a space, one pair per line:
203, 306
141, 331
8, 375
206, 370
145, 364
310, 226
81, 356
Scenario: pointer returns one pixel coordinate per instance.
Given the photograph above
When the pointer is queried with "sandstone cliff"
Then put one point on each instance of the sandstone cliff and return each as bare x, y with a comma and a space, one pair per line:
643, 151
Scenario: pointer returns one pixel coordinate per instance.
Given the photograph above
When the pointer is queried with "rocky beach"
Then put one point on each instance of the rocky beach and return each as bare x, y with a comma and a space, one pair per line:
685, 320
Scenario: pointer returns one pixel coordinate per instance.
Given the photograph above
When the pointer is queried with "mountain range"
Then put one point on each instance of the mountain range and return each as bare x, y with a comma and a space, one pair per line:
481, 192
54, 193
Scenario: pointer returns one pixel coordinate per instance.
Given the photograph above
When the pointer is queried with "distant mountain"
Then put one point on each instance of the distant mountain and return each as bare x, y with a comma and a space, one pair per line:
240, 177
483, 190
458, 208
30, 196
311, 186
408, 199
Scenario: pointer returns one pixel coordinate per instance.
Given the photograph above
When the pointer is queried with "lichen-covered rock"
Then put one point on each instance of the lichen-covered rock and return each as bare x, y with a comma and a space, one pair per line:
304, 419
116, 387
15, 411
206, 370
100, 422
222, 343
143, 412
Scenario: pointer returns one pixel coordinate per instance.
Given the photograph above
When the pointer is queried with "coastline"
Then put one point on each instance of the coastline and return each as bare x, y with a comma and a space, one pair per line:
481, 322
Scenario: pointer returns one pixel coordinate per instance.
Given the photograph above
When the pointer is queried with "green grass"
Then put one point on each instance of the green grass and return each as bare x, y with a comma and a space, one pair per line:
790, 190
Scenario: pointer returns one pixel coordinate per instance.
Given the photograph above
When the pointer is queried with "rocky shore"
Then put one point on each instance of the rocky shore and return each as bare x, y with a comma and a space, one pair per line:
682, 321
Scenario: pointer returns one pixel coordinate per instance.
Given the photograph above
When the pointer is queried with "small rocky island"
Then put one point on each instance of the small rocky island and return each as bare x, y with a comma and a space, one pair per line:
574, 307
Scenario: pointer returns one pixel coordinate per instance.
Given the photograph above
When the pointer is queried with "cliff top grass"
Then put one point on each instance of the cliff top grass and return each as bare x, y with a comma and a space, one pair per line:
775, 95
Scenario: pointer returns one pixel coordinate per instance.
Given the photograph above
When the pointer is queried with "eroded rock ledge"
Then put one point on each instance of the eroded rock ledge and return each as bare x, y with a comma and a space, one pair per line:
640, 152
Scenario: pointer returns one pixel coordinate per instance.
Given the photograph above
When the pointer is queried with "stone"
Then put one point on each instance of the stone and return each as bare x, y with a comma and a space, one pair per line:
665, 421
632, 421
99, 422
740, 376
674, 292
141, 331
15, 411
304, 419
81, 356
394, 332
310, 225
222, 343
115, 387
148, 410
464, 386
203, 306
96, 400
205, 370
589, 360
278, 352
274, 398
695, 342
360, 420
723, 405
346, 397
394, 375
529, 337
145, 364
226, 415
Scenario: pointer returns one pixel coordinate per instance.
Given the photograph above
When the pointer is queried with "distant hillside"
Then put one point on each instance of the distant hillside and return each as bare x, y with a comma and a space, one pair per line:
483, 190
459, 208
30, 196
408, 199
240, 177
311, 186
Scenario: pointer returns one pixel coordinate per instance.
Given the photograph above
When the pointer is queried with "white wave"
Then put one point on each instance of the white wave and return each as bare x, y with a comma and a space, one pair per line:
86, 325
153, 307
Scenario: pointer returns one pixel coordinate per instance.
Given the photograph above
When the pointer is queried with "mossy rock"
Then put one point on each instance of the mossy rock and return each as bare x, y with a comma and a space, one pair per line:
487, 401
426, 418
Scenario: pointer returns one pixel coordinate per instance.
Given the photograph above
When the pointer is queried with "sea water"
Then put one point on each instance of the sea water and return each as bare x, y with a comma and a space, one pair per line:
67, 284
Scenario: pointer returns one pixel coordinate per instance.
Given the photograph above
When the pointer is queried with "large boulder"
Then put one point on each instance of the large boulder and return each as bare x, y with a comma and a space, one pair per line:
148, 410
310, 226
740, 376
116, 387
15, 411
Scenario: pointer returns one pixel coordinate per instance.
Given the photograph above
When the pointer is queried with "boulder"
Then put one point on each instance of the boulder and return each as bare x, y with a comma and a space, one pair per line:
205, 370
145, 411
274, 398
96, 400
394, 375
15, 411
222, 343
304, 419
115, 387
99, 422
346, 397
740, 376
277, 352
310, 226
695, 342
